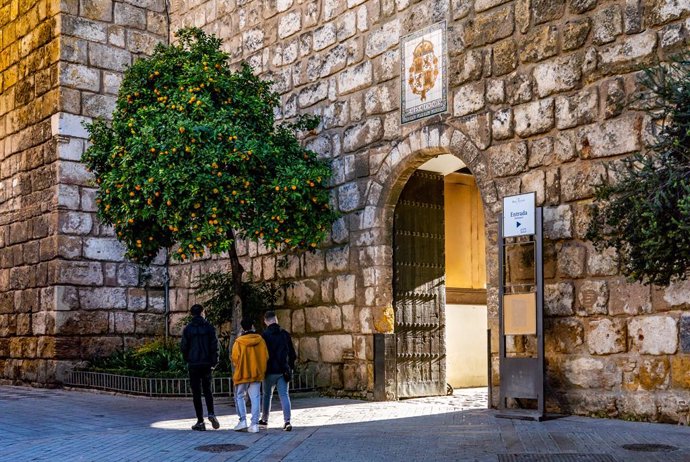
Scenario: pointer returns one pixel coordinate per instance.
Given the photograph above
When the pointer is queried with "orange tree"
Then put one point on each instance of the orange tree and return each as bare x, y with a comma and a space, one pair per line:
193, 159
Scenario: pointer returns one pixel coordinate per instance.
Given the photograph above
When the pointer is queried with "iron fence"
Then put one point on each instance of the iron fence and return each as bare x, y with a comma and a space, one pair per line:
166, 387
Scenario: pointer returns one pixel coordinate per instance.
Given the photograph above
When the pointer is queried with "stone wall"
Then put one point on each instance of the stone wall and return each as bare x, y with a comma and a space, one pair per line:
29, 96
65, 291
538, 94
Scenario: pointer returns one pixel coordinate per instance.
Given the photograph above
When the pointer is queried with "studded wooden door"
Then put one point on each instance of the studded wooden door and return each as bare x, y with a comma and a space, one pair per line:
419, 287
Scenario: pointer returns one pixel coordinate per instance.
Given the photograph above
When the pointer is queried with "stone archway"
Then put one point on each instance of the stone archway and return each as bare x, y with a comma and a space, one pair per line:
387, 184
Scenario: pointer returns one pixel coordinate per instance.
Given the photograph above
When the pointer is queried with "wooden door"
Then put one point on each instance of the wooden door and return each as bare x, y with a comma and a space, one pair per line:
419, 287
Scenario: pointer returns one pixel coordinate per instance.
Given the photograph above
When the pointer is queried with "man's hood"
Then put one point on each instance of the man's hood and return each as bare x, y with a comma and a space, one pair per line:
249, 340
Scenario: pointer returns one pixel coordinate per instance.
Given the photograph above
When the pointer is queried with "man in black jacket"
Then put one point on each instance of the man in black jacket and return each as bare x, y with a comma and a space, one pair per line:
281, 363
200, 349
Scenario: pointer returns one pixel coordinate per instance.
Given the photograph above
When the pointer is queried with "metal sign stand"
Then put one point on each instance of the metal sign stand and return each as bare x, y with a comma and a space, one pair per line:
522, 377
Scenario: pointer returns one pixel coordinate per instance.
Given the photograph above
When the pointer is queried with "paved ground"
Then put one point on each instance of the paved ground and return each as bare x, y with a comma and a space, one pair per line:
59, 425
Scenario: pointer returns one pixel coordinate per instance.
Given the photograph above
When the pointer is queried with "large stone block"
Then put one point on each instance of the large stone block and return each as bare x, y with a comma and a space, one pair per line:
332, 347
558, 222
680, 371
534, 118
149, 324
685, 332
563, 335
578, 109
362, 134
468, 99
383, 38
575, 33
337, 259
654, 373
578, 180
593, 373
80, 77
289, 24
130, 16
677, 294
102, 298
628, 298
309, 349
301, 293
490, 26
610, 138
344, 289
75, 272
323, 319
592, 298
81, 322
540, 43
632, 52
547, 10
559, 299
654, 335
607, 336
607, 24
505, 57
507, 159
571, 260
312, 94
107, 249
557, 75
601, 263
349, 197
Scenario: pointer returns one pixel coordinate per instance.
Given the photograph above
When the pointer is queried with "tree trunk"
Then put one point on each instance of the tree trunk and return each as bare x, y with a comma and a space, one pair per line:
237, 270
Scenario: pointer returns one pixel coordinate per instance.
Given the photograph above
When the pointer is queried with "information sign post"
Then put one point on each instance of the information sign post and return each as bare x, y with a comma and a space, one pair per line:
521, 308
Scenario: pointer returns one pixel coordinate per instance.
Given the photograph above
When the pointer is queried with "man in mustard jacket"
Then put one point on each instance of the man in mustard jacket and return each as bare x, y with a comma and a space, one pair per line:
249, 358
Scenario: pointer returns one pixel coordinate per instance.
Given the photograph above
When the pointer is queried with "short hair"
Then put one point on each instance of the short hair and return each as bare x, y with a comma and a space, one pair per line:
247, 324
196, 310
270, 315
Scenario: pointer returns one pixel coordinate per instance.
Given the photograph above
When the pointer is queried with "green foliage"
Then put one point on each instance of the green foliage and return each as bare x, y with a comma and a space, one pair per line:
158, 358
217, 290
643, 210
194, 152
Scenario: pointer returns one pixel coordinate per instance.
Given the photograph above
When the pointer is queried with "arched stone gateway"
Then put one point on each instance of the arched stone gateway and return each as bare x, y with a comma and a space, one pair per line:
396, 169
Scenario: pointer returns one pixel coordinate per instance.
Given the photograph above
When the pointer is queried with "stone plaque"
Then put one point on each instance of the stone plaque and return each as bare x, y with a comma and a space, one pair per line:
423, 73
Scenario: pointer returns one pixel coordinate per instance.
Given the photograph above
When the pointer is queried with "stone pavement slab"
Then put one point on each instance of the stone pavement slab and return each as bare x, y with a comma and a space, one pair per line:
63, 425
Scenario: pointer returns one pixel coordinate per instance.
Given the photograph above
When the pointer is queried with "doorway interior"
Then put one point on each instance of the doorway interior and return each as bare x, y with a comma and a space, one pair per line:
440, 281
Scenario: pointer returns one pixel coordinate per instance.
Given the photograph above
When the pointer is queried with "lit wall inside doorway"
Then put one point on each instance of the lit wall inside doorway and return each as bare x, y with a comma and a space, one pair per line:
466, 316
466, 357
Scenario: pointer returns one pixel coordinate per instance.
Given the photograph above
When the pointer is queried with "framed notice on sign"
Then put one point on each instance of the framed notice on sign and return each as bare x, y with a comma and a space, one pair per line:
520, 314
519, 214
423, 73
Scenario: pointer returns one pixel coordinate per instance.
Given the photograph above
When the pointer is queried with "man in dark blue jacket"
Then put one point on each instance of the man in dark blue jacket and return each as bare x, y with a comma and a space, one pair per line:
199, 347
281, 363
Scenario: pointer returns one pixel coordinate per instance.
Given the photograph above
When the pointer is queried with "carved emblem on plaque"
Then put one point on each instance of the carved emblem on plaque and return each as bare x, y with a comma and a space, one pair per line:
423, 72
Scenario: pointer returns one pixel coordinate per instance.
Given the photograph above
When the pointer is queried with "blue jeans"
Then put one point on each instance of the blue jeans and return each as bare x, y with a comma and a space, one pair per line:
254, 391
270, 383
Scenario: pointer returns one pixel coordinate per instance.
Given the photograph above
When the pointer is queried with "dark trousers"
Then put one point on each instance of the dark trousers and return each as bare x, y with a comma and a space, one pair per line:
200, 378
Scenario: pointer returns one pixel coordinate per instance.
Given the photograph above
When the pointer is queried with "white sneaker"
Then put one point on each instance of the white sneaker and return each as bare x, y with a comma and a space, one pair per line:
253, 429
241, 427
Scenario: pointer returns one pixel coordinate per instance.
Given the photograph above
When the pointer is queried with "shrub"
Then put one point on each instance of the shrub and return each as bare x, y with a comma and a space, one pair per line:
643, 210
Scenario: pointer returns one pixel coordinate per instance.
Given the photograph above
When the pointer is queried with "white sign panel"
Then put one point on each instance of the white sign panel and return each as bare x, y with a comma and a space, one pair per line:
519, 215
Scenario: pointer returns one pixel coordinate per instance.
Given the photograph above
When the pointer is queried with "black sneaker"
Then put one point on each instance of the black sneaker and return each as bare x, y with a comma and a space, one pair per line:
263, 423
287, 427
214, 422
199, 426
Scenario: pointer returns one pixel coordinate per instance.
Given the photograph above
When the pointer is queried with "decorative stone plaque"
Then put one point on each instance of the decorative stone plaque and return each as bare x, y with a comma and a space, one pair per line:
423, 73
